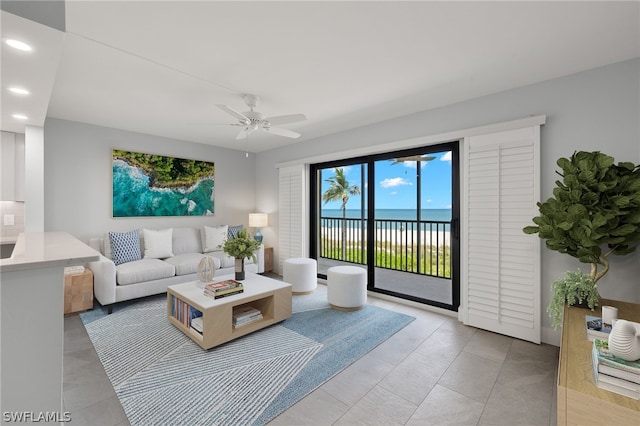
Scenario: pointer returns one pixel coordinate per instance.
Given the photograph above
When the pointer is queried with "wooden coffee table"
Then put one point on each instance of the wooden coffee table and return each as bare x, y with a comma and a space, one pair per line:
269, 296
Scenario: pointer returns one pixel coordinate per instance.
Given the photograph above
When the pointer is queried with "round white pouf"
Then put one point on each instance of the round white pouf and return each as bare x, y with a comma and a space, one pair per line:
302, 274
347, 287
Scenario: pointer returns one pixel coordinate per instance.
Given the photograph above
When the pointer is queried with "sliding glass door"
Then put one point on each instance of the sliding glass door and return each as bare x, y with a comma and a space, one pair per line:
395, 214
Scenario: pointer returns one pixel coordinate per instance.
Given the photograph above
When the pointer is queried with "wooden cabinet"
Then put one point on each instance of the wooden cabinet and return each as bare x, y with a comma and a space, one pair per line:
78, 291
580, 401
268, 259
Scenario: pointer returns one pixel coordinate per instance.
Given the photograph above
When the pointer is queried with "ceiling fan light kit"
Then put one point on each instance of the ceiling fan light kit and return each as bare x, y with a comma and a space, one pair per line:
253, 120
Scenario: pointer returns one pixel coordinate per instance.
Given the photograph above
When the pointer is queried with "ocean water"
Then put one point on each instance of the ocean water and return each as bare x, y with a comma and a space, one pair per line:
132, 196
397, 214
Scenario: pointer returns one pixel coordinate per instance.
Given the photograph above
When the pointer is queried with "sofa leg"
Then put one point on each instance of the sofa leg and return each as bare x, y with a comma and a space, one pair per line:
109, 309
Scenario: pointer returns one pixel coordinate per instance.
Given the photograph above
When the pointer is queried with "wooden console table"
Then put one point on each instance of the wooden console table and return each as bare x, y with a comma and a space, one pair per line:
580, 401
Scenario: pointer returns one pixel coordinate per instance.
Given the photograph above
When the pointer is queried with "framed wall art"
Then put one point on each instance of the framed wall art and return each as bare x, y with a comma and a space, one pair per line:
156, 185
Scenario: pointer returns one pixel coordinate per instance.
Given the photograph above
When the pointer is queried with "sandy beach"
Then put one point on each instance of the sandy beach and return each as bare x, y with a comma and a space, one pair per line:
394, 237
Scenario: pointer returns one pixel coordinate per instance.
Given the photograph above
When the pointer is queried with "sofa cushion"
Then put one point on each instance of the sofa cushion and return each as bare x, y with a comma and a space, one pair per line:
124, 246
232, 232
187, 263
186, 240
158, 244
143, 270
213, 237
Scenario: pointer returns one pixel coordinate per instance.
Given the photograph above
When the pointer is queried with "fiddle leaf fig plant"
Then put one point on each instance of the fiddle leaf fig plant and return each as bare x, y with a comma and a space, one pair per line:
594, 211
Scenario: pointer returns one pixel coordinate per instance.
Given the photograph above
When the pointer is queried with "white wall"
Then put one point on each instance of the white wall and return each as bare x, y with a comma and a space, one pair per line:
78, 179
597, 109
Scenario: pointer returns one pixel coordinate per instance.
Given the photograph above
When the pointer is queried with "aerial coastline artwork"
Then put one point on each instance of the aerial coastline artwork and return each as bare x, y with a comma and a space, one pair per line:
155, 185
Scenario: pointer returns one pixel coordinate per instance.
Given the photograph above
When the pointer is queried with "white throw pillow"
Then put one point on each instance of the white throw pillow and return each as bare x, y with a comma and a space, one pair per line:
214, 238
158, 244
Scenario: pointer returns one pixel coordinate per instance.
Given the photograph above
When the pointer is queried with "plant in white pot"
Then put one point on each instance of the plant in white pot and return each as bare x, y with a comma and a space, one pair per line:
240, 247
594, 213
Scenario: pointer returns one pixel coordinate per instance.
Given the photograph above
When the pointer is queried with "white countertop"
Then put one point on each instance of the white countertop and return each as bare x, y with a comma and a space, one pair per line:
35, 250
8, 240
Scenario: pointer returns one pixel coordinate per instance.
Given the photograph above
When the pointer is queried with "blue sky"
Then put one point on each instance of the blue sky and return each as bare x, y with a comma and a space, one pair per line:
396, 184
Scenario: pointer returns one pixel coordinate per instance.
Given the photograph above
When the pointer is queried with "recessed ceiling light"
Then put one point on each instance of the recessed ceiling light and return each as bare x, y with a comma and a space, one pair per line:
17, 44
20, 116
19, 91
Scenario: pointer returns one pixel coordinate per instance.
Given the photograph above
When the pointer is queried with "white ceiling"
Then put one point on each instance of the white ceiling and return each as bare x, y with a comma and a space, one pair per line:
160, 67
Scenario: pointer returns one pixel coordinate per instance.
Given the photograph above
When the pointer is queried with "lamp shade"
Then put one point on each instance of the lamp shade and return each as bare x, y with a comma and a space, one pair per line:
257, 220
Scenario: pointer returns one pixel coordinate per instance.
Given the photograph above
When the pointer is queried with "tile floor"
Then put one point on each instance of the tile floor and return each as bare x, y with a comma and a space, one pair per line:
435, 371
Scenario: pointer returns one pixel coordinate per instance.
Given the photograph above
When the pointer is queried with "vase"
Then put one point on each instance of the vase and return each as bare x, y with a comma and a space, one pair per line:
624, 340
239, 269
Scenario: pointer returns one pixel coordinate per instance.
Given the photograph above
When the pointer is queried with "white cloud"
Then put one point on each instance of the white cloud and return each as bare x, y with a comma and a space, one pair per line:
429, 201
446, 157
392, 182
394, 192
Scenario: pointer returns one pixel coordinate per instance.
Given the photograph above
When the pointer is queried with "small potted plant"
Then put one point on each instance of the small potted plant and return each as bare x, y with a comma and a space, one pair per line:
576, 288
241, 247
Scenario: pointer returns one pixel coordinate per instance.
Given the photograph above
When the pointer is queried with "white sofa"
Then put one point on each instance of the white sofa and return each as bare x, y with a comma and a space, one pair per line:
145, 277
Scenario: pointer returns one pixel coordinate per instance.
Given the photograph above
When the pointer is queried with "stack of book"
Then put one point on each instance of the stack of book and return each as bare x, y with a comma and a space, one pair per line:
614, 374
243, 315
223, 289
196, 324
596, 329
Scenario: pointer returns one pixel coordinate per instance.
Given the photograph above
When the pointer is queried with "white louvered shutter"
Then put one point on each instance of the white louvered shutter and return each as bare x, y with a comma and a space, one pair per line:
291, 213
501, 264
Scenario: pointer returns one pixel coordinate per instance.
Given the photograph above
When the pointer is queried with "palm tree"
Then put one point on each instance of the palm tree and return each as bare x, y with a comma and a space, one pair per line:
340, 190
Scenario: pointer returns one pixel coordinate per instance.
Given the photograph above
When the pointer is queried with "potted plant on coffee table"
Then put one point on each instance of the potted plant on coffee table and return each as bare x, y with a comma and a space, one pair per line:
594, 213
240, 247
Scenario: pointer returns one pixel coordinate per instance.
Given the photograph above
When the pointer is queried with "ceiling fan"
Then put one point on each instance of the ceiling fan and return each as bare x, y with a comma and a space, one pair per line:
253, 120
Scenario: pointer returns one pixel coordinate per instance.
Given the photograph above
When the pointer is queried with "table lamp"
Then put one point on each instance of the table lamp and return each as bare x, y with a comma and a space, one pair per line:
257, 220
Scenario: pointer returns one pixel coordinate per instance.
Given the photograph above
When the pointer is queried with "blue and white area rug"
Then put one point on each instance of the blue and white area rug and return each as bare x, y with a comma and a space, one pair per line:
163, 377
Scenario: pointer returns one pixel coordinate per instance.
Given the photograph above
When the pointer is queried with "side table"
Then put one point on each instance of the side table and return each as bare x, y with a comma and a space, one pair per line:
78, 291
268, 258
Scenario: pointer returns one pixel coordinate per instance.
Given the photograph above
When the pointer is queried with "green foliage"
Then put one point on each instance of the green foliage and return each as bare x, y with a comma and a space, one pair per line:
434, 261
241, 246
594, 212
167, 171
575, 287
339, 189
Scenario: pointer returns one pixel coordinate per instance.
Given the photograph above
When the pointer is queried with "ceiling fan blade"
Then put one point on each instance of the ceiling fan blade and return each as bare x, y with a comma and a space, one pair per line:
282, 132
233, 112
286, 119
217, 124
245, 132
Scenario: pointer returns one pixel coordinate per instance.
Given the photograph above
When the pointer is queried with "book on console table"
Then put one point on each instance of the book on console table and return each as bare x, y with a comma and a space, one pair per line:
596, 329
615, 374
